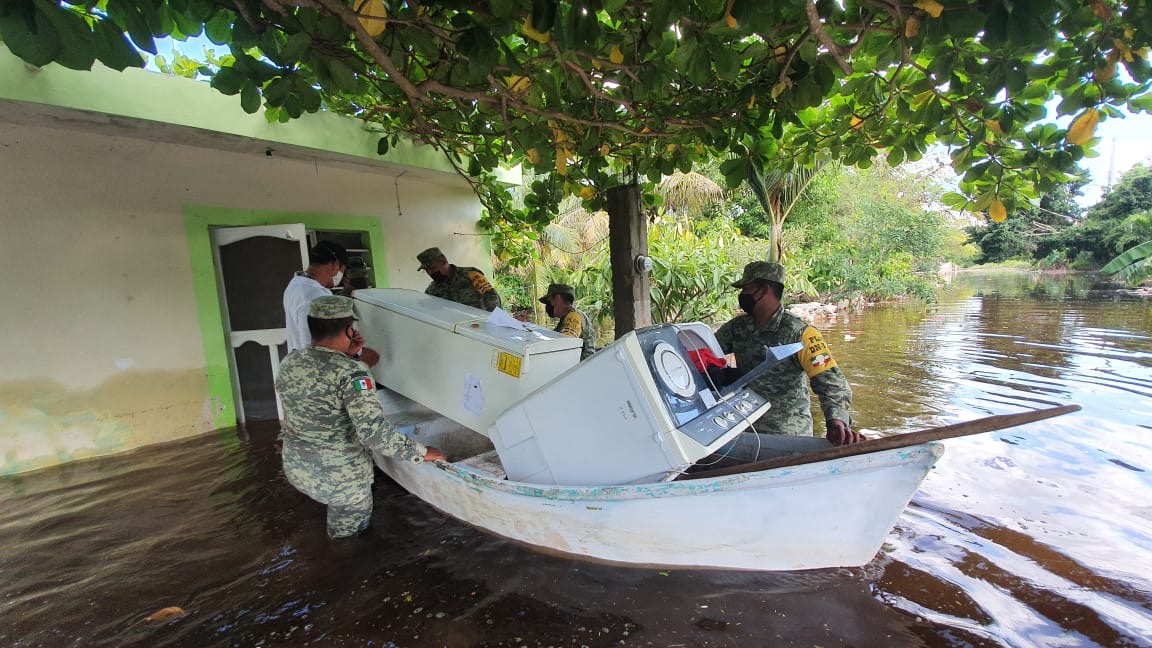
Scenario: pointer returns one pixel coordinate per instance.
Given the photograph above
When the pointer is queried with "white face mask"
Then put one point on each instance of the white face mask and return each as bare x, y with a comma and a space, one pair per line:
336, 279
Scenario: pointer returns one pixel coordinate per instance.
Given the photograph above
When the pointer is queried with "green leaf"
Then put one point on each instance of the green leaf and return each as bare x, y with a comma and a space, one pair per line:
954, 200
249, 97
735, 170
219, 28
726, 61
612, 7
1128, 257
200, 10
132, 19
228, 81
292, 107
543, 15
342, 75
276, 91
28, 33
1142, 102
242, 35
295, 47
382, 146
308, 97
113, 48
188, 25
504, 9
78, 47
984, 201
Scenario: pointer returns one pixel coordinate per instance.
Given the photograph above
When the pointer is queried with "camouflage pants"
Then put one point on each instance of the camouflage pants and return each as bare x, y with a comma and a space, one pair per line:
345, 521
343, 483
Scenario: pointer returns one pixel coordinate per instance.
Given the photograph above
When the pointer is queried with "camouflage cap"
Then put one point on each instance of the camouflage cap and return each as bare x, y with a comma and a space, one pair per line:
428, 256
331, 307
557, 289
761, 271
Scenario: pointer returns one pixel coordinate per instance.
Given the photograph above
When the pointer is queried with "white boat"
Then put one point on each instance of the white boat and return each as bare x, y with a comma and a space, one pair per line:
581, 458
827, 514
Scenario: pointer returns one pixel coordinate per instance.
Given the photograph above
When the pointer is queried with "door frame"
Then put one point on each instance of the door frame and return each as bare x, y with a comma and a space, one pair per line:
198, 220
270, 339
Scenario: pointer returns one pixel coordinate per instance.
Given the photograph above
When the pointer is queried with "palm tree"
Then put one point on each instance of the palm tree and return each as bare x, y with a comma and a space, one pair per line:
778, 192
688, 194
571, 249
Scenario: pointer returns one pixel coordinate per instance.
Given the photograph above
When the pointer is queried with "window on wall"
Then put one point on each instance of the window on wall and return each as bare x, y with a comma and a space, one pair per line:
360, 273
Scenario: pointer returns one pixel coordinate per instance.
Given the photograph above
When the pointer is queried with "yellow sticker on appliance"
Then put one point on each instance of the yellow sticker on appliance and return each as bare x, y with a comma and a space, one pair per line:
509, 364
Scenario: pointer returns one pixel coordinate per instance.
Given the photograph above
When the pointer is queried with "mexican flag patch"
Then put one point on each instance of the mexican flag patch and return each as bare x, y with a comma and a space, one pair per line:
363, 384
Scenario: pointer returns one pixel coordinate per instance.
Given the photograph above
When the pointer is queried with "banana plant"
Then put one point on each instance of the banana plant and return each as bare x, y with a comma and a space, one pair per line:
1134, 265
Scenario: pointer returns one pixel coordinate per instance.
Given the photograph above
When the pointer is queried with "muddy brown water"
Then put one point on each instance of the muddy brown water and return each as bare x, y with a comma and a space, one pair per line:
1038, 535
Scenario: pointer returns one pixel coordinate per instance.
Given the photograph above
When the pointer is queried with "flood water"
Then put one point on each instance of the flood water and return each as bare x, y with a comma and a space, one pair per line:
1037, 535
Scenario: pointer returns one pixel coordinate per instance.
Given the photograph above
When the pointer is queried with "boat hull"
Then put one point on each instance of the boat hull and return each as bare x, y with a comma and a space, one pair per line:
828, 514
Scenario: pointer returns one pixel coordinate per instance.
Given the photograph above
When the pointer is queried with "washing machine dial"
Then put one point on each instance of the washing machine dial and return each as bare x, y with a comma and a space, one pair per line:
673, 370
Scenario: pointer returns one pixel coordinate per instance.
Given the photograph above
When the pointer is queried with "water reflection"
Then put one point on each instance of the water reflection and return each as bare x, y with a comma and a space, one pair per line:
1040, 535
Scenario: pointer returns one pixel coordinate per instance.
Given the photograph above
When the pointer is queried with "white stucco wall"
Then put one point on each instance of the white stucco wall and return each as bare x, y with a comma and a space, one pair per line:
101, 348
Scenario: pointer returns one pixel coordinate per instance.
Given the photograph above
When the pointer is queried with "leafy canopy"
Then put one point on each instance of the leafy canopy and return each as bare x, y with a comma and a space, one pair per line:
597, 93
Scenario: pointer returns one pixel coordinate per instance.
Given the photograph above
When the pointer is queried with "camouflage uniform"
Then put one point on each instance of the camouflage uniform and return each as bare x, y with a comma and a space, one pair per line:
574, 323
467, 285
577, 324
332, 423
785, 385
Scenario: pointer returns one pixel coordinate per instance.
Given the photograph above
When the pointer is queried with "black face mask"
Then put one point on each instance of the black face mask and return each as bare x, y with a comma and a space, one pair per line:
437, 277
747, 302
550, 310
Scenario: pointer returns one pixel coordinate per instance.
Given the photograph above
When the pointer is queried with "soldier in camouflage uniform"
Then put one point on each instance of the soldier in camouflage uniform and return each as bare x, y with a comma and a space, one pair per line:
573, 323
333, 420
462, 284
785, 385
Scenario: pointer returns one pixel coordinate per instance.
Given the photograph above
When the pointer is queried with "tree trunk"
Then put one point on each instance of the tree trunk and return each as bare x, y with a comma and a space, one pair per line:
776, 250
628, 238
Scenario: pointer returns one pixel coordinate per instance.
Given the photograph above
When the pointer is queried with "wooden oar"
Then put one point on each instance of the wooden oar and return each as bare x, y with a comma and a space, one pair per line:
977, 426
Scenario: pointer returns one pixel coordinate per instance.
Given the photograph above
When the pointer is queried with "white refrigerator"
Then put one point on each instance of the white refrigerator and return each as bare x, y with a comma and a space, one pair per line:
447, 357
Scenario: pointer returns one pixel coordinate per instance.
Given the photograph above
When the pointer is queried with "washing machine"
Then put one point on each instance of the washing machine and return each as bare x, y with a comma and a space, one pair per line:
636, 411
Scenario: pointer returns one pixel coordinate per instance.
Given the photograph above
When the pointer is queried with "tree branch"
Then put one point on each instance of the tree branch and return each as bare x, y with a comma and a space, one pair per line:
818, 29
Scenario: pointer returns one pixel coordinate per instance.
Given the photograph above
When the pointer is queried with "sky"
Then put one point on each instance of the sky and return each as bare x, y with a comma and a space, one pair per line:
1124, 143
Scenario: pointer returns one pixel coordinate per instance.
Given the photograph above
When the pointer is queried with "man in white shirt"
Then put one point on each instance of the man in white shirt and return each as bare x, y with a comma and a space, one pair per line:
326, 265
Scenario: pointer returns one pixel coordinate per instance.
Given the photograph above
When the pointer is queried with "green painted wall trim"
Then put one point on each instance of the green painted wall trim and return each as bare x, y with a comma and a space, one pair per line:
197, 223
155, 97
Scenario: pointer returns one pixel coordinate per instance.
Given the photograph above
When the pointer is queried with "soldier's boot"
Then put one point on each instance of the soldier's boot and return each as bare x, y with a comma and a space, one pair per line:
347, 521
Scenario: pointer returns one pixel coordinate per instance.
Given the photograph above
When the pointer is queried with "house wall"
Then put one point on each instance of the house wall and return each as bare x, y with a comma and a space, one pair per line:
104, 343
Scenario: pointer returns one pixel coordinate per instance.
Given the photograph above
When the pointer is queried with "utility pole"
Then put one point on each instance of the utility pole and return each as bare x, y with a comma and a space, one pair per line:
1111, 164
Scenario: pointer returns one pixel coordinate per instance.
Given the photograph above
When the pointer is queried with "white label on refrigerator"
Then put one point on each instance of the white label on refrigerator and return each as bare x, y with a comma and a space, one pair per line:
473, 395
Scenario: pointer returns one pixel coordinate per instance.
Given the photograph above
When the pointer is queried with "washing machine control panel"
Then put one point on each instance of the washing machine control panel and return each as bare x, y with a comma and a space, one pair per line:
742, 408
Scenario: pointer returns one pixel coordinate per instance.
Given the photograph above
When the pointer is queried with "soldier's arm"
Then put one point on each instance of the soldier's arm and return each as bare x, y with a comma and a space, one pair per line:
369, 423
827, 380
492, 300
572, 327
489, 298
